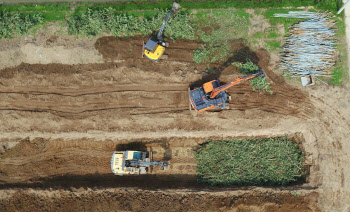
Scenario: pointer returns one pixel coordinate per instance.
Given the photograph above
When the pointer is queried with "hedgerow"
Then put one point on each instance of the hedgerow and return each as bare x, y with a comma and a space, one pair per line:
268, 161
95, 22
17, 23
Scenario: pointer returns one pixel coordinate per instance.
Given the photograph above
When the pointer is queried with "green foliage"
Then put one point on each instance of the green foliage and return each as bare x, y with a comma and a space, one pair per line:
94, 22
216, 30
269, 161
260, 84
295, 194
201, 55
17, 24
246, 68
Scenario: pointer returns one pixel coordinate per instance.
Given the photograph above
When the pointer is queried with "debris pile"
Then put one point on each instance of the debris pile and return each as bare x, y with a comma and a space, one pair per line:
310, 48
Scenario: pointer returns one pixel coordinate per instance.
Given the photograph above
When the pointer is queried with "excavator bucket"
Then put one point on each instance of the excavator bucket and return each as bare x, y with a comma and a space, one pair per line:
262, 73
307, 80
175, 6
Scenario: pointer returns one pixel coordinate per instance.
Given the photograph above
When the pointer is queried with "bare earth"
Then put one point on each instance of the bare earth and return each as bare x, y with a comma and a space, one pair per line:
63, 113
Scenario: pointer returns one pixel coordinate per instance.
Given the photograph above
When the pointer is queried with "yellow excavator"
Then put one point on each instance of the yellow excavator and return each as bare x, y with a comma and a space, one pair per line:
155, 47
134, 163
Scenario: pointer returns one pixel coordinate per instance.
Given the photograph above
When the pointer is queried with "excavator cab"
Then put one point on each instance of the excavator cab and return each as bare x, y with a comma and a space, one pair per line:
134, 162
213, 96
155, 47
200, 97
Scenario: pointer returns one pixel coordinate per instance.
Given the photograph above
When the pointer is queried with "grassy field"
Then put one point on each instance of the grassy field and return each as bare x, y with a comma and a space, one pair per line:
214, 27
331, 5
269, 161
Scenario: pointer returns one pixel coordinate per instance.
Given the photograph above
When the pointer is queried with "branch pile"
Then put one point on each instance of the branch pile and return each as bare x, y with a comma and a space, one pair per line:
310, 48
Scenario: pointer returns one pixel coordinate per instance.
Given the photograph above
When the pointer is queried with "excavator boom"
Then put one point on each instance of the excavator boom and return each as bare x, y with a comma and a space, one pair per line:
155, 47
218, 90
171, 13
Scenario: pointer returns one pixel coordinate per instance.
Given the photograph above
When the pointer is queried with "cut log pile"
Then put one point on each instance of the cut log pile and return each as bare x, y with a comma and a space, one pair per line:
311, 46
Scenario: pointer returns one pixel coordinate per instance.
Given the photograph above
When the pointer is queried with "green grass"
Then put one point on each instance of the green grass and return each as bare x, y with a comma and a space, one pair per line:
287, 22
221, 26
243, 14
330, 5
35, 7
259, 162
54, 16
273, 34
340, 70
273, 45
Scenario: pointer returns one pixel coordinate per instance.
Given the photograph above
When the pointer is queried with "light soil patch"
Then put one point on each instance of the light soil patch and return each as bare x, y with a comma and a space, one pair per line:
258, 23
48, 46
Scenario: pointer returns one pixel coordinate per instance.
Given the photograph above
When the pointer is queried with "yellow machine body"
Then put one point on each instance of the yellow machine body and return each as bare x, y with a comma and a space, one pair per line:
156, 54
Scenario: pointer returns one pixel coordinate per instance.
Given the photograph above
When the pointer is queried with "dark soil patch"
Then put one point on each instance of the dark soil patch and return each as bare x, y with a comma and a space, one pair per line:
141, 200
116, 48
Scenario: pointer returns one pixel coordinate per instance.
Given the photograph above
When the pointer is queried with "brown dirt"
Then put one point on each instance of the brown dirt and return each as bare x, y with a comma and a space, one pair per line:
131, 48
51, 162
77, 92
70, 118
141, 200
48, 46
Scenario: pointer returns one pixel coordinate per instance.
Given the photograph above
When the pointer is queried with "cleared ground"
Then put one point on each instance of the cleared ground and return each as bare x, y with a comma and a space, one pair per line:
61, 121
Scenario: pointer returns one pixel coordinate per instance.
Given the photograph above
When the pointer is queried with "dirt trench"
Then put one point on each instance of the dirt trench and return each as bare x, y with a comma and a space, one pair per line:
88, 96
141, 200
86, 162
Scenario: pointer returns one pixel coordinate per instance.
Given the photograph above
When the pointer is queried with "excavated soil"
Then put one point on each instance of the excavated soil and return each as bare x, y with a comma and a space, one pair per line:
131, 48
104, 96
62, 119
140, 200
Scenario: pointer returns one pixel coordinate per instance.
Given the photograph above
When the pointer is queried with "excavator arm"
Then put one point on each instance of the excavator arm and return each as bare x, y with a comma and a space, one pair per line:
218, 90
171, 13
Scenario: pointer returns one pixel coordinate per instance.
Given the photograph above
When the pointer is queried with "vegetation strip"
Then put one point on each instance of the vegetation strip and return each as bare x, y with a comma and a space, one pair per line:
95, 22
215, 28
11, 24
330, 5
268, 161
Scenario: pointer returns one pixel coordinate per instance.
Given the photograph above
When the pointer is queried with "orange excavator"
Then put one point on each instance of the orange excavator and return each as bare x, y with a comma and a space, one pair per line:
212, 96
